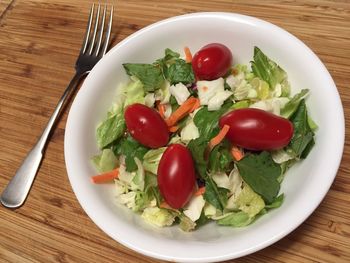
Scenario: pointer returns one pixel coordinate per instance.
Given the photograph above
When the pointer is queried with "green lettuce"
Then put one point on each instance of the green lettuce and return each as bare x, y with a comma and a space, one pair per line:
269, 71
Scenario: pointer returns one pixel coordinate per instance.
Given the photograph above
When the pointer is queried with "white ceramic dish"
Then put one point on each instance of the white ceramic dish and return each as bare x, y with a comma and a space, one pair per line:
305, 184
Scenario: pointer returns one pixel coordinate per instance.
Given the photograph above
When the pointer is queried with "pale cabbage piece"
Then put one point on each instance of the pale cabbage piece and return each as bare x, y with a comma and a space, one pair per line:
168, 110
189, 132
158, 216
273, 105
139, 178
194, 208
209, 210
281, 156
208, 88
180, 92
150, 99
232, 81
128, 199
120, 187
218, 99
163, 94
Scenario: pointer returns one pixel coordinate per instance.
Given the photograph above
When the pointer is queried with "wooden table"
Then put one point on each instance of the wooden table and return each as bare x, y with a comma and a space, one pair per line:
39, 41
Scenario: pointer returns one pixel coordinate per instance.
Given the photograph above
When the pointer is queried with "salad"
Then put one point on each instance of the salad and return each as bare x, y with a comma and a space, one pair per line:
198, 138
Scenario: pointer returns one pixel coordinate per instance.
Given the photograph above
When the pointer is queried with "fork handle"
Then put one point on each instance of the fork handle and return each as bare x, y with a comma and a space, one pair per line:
18, 188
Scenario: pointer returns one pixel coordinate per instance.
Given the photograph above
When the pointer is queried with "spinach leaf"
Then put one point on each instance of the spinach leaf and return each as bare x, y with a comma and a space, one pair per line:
207, 124
276, 203
293, 104
131, 149
219, 159
110, 130
302, 139
268, 70
197, 148
215, 195
207, 121
260, 172
180, 71
150, 75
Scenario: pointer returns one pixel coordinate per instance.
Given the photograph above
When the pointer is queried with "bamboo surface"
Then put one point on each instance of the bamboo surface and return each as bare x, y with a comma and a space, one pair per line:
39, 42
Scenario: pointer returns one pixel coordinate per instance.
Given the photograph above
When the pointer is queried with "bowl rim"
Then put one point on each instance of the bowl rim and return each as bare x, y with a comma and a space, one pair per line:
242, 19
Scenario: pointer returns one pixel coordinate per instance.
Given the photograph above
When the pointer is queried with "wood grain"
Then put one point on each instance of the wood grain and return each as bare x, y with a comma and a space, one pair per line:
39, 41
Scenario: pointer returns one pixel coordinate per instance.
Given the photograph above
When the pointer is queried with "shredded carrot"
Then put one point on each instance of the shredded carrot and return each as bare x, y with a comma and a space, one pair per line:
200, 191
161, 109
165, 205
188, 54
196, 105
216, 140
105, 177
182, 111
237, 153
234, 72
173, 128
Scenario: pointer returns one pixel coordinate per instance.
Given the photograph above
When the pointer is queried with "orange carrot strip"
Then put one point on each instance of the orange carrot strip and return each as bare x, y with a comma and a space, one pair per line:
196, 105
181, 112
105, 177
200, 191
173, 128
237, 153
188, 54
165, 205
219, 137
216, 140
161, 109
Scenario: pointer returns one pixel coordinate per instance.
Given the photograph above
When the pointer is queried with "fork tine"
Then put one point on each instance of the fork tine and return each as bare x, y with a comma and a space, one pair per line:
92, 42
100, 33
87, 33
108, 34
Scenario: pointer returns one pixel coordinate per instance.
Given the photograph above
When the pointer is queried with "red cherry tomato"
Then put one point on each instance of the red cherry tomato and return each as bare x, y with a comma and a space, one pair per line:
146, 126
212, 61
176, 175
255, 129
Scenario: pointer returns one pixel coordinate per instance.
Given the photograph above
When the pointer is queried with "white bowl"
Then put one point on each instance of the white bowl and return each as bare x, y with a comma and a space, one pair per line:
305, 184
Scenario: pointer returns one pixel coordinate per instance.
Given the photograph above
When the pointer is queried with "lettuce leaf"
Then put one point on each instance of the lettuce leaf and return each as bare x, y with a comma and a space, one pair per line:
293, 104
269, 71
238, 219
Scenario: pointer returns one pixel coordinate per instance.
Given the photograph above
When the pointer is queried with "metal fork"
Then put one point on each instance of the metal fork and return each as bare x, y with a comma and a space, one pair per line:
94, 47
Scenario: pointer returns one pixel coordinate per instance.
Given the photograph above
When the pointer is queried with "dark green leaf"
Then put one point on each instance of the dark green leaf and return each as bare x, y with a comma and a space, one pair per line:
214, 195
293, 104
266, 69
308, 149
303, 135
170, 55
276, 203
131, 149
180, 71
150, 75
219, 159
202, 220
173, 103
207, 121
197, 148
110, 130
260, 172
